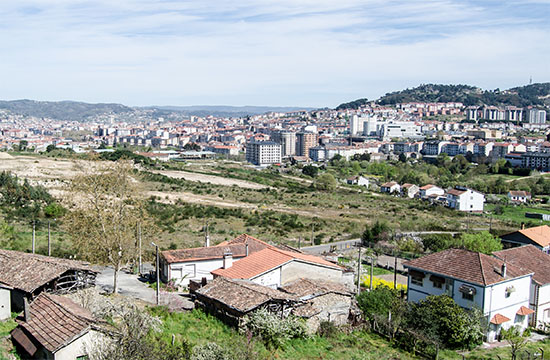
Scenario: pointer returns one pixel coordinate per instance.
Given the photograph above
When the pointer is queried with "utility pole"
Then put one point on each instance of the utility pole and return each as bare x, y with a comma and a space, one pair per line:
371, 270
49, 240
312, 231
139, 242
359, 272
33, 236
395, 272
158, 273
299, 242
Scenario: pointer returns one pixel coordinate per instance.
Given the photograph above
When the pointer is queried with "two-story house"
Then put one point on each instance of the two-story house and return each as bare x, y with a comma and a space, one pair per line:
390, 187
463, 199
538, 236
500, 290
409, 190
430, 190
529, 258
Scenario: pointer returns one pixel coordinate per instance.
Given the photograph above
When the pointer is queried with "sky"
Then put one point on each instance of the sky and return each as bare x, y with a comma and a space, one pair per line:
315, 53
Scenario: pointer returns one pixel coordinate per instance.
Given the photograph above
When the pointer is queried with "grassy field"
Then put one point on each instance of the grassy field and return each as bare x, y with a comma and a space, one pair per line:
5, 343
516, 213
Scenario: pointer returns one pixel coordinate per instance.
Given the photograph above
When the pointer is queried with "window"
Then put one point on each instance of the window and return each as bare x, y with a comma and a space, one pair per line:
417, 281
437, 285
82, 357
469, 297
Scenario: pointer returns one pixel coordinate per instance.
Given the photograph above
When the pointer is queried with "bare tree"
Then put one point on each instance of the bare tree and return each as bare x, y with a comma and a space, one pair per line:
105, 211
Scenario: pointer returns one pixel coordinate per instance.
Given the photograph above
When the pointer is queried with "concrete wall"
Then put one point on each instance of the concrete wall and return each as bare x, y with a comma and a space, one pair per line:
200, 269
543, 313
295, 270
271, 279
5, 304
78, 347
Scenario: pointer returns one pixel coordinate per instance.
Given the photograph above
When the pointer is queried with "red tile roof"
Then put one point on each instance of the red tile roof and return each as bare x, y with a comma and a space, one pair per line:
466, 265
456, 192
54, 321
499, 319
523, 311
265, 260
529, 258
538, 234
236, 246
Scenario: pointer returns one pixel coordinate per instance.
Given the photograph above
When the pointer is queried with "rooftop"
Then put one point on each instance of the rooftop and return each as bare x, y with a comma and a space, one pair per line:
469, 266
528, 258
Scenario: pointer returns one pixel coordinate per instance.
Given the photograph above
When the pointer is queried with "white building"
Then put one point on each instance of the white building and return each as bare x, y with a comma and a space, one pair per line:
5, 302
390, 187
463, 199
430, 190
358, 180
471, 279
287, 139
535, 116
263, 152
400, 130
182, 266
531, 259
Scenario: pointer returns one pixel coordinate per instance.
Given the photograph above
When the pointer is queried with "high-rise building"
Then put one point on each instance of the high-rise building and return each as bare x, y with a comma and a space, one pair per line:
304, 141
263, 152
536, 116
287, 139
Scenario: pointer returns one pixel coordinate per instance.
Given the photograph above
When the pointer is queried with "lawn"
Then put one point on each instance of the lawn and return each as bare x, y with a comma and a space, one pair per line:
5, 329
516, 213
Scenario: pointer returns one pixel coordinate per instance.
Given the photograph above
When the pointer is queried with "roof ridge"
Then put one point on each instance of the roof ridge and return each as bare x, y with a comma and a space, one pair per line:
481, 268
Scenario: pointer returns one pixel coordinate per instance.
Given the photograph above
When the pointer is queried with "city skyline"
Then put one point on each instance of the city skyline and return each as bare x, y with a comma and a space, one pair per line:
284, 53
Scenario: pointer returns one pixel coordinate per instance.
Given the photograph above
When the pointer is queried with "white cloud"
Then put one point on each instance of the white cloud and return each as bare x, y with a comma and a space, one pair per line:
307, 52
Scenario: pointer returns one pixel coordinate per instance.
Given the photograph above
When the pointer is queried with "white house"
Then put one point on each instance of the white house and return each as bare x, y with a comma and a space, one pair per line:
430, 190
5, 302
501, 290
358, 180
519, 196
275, 267
529, 258
181, 266
390, 187
463, 199
55, 328
409, 190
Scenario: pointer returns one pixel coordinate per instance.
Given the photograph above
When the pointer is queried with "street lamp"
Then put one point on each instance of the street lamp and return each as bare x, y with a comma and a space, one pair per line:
158, 273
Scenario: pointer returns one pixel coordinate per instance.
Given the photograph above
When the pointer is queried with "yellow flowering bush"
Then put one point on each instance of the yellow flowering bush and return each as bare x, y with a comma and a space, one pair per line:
376, 282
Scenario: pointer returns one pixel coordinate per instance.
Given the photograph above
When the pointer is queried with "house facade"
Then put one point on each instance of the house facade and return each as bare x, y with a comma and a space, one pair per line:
463, 199
519, 196
390, 187
358, 180
182, 266
5, 302
430, 190
477, 280
274, 268
409, 190
529, 258
538, 236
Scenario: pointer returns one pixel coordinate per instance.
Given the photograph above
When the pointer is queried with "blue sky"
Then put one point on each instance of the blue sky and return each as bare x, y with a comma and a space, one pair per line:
265, 52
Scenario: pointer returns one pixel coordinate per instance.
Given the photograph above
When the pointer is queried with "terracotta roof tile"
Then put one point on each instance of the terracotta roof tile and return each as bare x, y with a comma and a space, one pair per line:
466, 265
528, 258
499, 319
265, 260
55, 321
236, 246
241, 295
28, 272
306, 287
523, 311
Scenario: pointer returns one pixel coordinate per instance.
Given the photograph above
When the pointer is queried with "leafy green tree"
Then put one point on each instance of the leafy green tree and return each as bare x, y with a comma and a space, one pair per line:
441, 319
402, 157
483, 242
375, 232
310, 170
379, 301
325, 182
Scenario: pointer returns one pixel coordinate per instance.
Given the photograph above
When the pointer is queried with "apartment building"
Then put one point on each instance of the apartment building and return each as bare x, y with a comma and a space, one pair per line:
263, 152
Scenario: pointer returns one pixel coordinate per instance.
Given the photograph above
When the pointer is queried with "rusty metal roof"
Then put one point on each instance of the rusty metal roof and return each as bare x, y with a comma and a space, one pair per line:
28, 272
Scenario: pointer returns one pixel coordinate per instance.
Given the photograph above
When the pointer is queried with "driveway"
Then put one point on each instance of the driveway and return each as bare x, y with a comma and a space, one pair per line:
130, 285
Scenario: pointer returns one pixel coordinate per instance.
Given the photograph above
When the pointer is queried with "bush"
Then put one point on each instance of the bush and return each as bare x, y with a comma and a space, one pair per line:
210, 351
379, 301
327, 329
273, 330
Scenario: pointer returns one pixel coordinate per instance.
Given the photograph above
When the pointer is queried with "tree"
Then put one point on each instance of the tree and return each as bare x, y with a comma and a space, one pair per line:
50, 148
310, 170
440, 318
374, 233
136, 336
378, 301
403, 157
103, 224
326, 182
483, 242
516, 338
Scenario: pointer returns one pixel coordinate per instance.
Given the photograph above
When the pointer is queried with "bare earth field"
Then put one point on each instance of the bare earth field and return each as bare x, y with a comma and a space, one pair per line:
210, 179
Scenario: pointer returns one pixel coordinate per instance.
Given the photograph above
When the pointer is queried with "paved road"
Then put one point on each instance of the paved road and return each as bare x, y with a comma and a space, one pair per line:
129, 285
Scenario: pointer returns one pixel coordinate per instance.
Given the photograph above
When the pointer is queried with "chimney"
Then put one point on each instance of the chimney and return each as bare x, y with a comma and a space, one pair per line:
503, 272
26, 310
246, 250
227, 260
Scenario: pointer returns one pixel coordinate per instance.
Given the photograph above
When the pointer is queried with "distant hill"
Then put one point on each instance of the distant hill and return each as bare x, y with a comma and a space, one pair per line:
62, 110
522, 96
229, 111
356, 104
80, 111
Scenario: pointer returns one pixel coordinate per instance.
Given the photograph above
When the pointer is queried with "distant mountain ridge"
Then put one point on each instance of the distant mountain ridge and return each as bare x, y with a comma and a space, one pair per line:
81, 111
521, 96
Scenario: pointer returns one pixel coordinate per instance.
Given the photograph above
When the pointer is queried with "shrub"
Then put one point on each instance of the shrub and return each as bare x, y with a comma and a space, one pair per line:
210, 351
273, 330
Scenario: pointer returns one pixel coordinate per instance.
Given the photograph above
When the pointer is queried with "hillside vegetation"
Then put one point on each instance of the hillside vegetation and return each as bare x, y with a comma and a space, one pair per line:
522, 96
